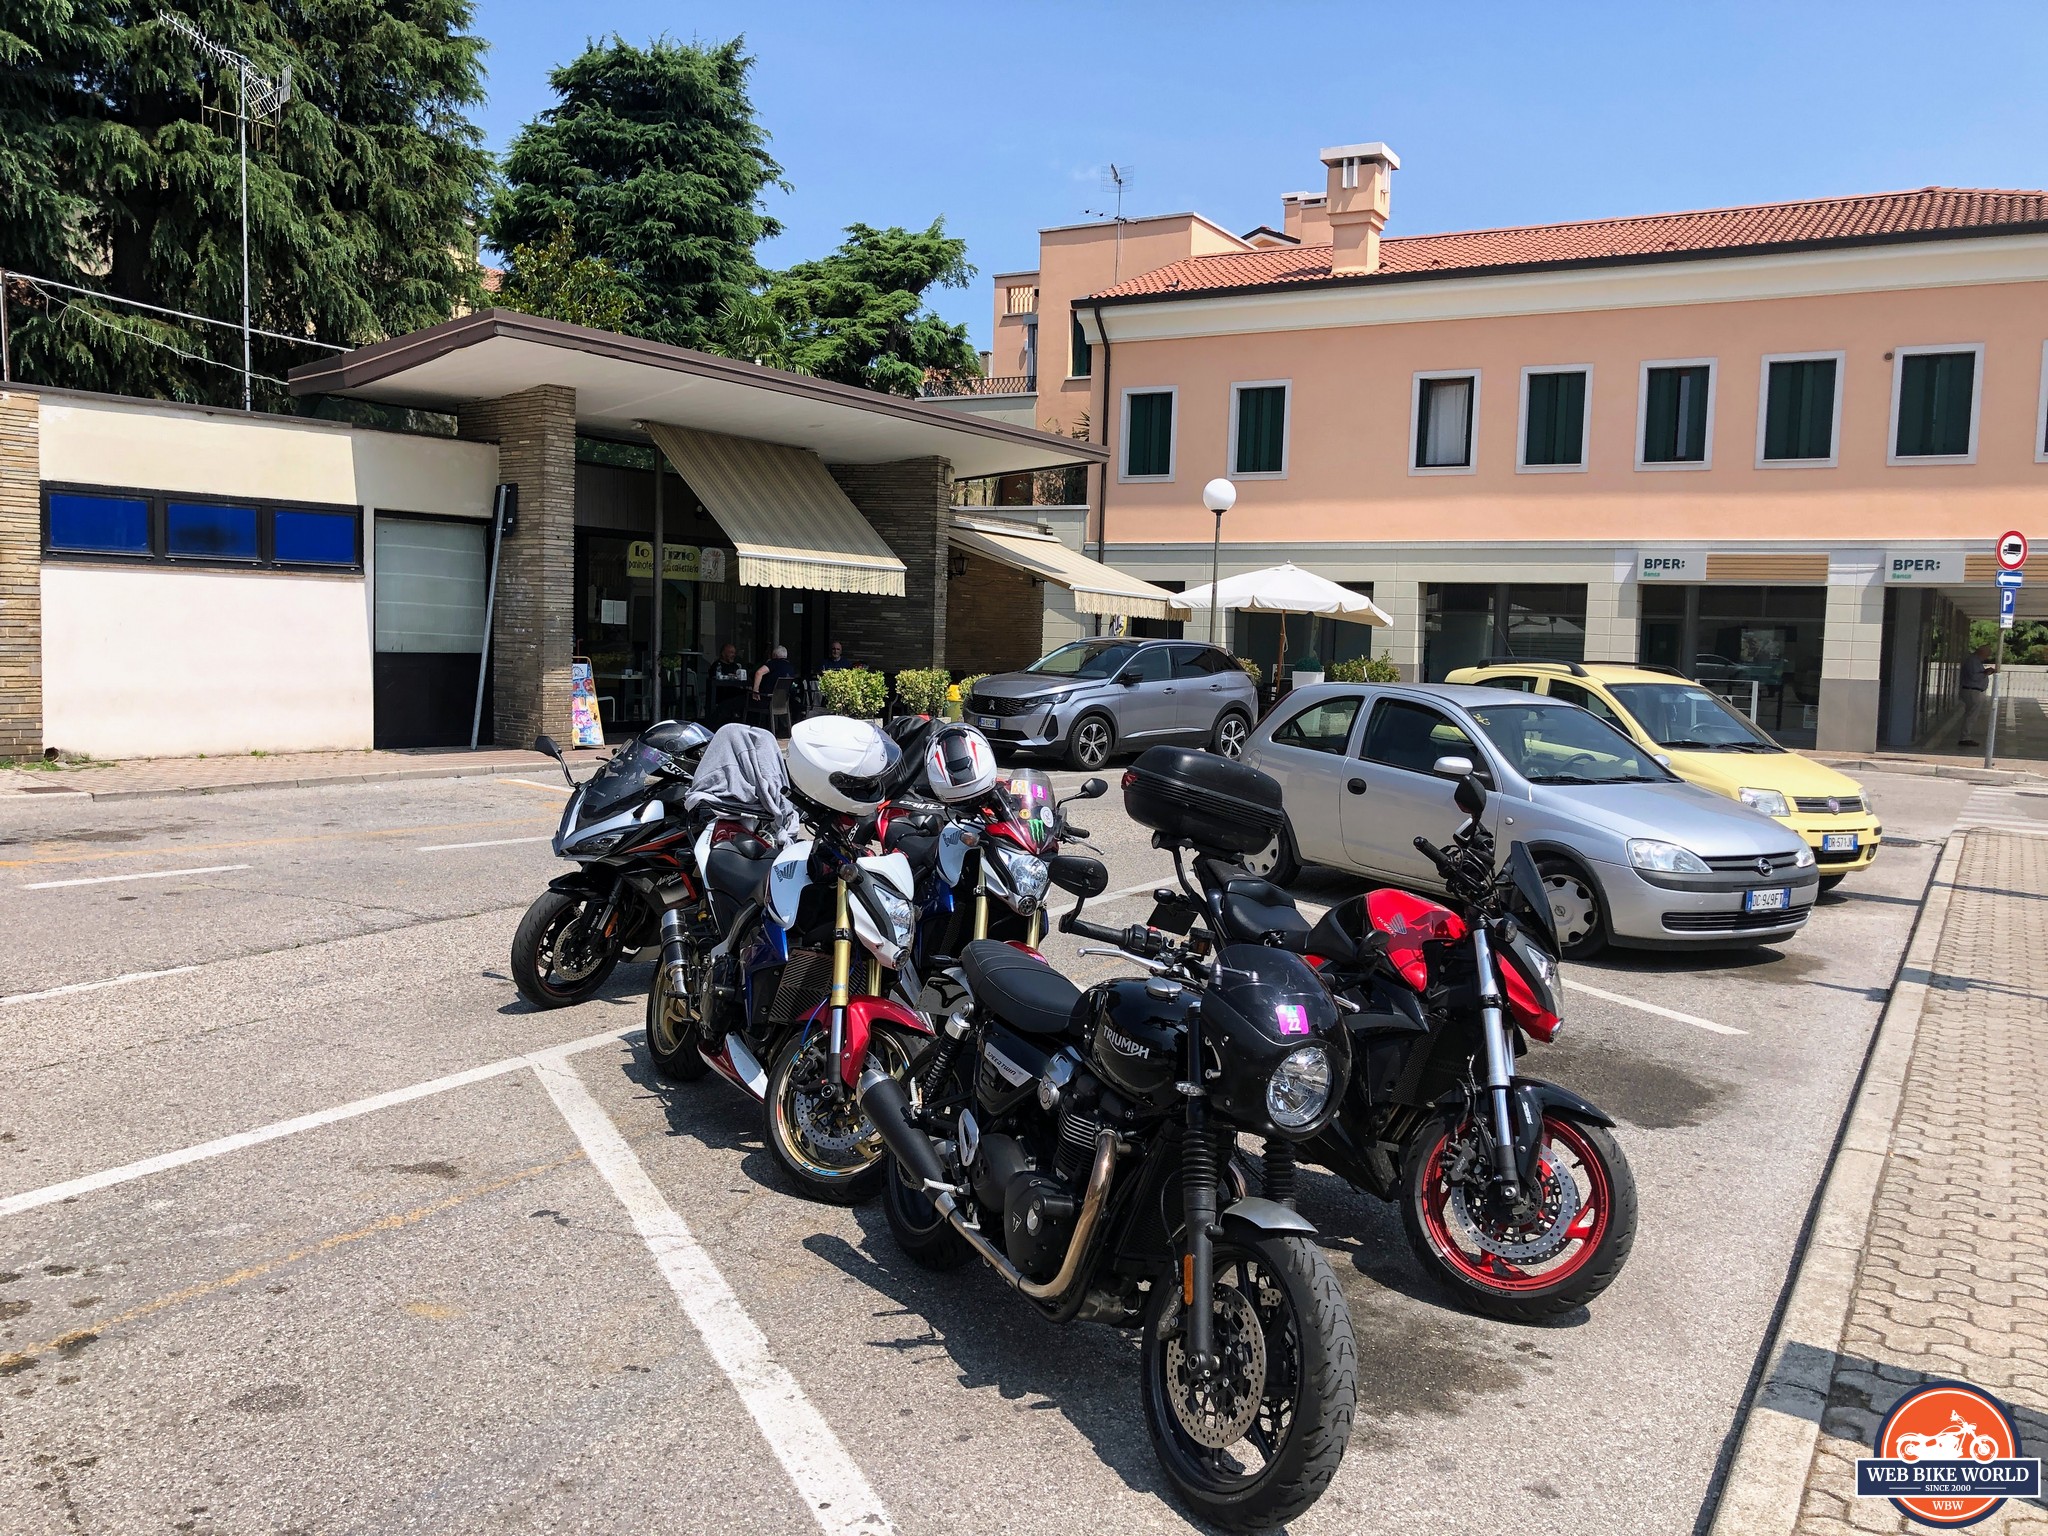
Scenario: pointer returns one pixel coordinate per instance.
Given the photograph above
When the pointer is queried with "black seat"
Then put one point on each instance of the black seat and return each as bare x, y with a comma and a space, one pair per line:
1024, 993
1255, 908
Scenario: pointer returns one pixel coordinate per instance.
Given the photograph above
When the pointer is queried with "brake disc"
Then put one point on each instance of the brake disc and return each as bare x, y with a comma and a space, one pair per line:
1541, 1234
1217, 1411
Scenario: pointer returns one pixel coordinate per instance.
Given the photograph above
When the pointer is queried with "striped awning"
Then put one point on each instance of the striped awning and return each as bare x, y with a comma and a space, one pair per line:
783, 511
1097, 588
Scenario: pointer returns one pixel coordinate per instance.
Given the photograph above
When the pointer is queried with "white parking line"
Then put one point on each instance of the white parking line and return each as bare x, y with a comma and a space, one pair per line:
92, 986
553, 789
154, 874
1056, 913
1661, 1012
50, 1194
838, 1494
495, 842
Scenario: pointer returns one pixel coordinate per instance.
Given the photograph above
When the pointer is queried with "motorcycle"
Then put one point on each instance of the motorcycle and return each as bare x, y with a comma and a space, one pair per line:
1513, 1191
626, 830
1959, 1442
1080, 1144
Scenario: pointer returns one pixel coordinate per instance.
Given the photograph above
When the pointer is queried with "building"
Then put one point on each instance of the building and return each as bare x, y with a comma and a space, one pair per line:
178, 580
1772, 446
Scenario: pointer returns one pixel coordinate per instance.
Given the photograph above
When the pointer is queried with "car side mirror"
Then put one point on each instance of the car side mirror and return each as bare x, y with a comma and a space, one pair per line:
1129, 679
1662, 759
1452, 767
546, 745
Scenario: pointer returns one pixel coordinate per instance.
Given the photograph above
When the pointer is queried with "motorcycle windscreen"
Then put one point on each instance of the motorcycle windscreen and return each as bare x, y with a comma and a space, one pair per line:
627, 774
1532, 899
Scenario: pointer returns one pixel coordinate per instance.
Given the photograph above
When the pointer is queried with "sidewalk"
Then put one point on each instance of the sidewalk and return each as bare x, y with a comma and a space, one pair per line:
1929, 1255
145, 777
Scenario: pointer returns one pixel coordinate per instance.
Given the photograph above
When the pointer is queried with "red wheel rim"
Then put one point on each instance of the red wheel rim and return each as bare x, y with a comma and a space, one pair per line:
1494, 1273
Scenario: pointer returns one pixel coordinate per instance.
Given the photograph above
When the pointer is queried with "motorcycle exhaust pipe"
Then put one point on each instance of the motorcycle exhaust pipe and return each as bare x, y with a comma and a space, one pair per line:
672, 952
888, 1110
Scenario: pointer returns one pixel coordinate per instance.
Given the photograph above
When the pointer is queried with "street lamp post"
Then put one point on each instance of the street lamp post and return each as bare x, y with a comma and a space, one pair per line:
1219, 496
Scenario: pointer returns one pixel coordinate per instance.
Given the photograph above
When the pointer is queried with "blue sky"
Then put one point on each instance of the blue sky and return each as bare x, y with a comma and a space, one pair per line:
1003, 118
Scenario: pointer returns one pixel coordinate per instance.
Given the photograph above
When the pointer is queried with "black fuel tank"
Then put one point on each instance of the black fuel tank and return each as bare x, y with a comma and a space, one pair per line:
1009, 1068
1135, 1037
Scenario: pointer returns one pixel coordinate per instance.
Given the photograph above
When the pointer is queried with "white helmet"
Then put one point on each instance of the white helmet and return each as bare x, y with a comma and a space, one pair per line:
959, 764
842, 764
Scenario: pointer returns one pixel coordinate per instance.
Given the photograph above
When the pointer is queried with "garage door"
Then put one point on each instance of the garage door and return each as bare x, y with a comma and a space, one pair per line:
429, 575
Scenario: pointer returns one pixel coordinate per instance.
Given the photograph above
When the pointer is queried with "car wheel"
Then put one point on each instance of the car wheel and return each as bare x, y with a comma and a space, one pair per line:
1228, 738
1575, 908
1277, 861
1090, 742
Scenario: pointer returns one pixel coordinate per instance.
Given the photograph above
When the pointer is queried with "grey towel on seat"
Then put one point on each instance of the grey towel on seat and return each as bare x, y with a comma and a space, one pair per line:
742, 773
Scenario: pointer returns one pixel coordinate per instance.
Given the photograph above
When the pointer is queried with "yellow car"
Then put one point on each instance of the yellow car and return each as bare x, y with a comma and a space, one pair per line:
1711, 745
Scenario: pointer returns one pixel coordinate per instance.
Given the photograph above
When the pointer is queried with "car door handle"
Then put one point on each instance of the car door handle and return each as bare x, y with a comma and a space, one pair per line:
1356, 786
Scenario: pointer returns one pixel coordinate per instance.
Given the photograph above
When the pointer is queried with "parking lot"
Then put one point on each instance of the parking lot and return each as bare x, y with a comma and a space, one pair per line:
307, 1223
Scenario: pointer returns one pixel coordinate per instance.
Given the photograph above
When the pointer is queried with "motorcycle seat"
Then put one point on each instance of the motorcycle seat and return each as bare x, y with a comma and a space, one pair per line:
731, 872
1024, 993
1256, 908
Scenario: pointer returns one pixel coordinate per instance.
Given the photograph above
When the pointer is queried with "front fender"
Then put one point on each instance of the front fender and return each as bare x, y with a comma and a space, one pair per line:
863, 1015
583, 882
1550, 1097
1248, 1220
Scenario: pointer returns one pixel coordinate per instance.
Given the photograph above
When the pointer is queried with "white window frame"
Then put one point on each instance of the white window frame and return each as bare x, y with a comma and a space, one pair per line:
1123, 457
2041, 419
1892, 456
1471, 464
1238, 386
1763, 408
1522, 466
1713, 367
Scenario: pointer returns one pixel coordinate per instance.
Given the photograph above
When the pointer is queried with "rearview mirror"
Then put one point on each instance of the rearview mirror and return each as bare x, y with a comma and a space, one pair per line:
1129, 679
1662, 759
1078, 876
1470, 796
546, 745
1091, 789
1452, 767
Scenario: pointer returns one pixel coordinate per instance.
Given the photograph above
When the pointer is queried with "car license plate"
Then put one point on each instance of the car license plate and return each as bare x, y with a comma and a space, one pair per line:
1838, 842
988, 722
1775, 900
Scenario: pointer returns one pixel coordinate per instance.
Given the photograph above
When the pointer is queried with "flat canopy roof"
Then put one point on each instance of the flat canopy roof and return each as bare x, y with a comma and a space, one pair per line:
623, 381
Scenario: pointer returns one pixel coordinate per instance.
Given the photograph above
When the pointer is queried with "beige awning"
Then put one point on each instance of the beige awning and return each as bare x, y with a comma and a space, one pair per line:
1097, 588
785, 514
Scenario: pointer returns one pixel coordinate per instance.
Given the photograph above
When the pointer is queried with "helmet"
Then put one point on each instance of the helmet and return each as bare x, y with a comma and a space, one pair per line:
959, 764
678, 738
840, 763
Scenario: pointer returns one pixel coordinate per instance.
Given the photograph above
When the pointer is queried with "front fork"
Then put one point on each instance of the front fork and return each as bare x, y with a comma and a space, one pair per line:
1500, 1066
1198, 1192
842, 979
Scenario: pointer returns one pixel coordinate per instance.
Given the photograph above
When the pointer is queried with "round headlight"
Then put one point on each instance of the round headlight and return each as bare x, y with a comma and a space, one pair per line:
1300, 1088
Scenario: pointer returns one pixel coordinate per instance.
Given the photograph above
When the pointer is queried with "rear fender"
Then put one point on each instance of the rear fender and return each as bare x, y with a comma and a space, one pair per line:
864, 1015
1249, 1220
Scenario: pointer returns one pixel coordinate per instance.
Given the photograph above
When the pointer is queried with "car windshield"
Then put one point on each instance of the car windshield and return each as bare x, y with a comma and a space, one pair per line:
1563, 744
624, 776
1083, 659
1688, 718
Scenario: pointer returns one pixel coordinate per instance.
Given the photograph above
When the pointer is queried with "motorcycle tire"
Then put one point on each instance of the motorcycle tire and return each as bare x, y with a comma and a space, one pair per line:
1497, 1288
533, 954
827, 1146
1302, 1422
926, 1237
673, 1035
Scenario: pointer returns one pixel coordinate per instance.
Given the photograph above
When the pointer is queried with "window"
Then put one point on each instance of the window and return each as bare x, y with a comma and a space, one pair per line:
209, 531
1324, 727
1554, 421
1519, 682
1802, 408
1676, 405
312, 538
1548, 745
1258, 430
1153, 664
1080, 359
1445, 406
1586, 699
1934, 398
80, 523
1148, 434
1413, 736
1020, 299
1200, 661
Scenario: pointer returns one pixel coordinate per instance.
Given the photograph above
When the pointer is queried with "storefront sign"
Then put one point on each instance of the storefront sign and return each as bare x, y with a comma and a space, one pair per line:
1665, 565
679, 562
1923, 567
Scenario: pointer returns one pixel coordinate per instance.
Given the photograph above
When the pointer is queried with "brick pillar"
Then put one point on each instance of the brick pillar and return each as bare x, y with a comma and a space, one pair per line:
909, 504
534, 624
994, 618
21, 578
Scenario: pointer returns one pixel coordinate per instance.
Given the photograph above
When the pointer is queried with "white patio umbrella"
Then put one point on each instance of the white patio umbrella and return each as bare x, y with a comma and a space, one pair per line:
1285, 589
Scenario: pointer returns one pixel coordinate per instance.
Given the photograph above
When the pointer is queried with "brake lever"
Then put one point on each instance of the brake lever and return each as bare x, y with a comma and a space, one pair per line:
1156, 967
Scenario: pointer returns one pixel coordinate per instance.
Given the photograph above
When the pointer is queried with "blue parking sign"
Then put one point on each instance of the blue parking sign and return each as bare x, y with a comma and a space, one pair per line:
2007, 597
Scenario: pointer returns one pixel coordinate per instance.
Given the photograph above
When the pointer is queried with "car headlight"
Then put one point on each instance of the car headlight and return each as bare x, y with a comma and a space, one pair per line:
1300, 1088
1026, 876
1654, 853
1770, 801
1803, 859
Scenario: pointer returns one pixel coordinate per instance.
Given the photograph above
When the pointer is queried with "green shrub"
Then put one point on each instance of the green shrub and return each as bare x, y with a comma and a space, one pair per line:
1365, 669
922, 690
1252, 669
967, 683
1309, 663
855, 691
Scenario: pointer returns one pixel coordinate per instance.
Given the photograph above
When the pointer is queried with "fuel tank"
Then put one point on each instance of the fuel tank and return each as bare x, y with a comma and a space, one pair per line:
1135, 1032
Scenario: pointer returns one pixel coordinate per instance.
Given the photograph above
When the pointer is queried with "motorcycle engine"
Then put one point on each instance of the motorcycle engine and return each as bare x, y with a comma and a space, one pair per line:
1039, 1204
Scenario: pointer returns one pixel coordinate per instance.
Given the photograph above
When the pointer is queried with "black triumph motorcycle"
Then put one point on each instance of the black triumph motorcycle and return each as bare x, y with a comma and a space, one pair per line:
626, 829
1081, 1143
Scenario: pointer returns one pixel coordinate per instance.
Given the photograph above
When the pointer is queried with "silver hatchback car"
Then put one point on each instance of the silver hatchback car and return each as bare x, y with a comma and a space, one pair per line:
1632, 854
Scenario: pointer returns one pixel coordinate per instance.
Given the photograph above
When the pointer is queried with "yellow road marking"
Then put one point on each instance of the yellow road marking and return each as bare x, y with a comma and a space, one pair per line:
397, 1221
267, 842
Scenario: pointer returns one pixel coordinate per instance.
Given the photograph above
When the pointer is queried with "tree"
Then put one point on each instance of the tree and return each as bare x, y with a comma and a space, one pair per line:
119, 173
857, 316
654, 160
553, 280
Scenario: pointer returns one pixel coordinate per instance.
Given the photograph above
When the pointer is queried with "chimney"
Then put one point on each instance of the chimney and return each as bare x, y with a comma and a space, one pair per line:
1305, 216
1360, 179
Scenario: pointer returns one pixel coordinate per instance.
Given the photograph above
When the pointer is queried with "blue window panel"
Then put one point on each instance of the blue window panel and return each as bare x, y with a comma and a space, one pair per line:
113, 525
209, 531
312, 538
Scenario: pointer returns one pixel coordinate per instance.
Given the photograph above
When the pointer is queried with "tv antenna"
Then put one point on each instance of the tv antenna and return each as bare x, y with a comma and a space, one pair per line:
1116, 180
258, 95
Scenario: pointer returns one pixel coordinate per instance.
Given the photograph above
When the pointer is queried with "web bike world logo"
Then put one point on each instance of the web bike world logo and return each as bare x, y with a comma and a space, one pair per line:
1948, 1456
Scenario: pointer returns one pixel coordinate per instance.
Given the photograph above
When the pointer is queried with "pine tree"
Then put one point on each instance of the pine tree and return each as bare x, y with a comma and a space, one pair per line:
654, 160
119, 173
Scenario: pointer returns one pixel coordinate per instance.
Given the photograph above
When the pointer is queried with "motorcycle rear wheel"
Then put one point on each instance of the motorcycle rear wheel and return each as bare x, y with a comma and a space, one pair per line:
827, 1145
920, 1231
545, 978
1307, 1363
673, 1032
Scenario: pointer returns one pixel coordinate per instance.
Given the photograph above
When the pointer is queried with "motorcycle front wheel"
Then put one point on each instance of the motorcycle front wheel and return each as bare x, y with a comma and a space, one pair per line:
673, 1031
824, 1140
1256, 1443
1535, 1265
555, 962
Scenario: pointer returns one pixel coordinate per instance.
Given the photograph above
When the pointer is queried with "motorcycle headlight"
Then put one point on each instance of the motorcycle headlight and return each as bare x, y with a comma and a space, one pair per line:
1653, 853
1026, 875
1769, 801
603, 844
902, 917
1300, 1088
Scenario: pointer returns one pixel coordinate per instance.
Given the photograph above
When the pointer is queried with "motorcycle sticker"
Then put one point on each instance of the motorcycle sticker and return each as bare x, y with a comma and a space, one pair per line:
1291, 1019
1948, 1455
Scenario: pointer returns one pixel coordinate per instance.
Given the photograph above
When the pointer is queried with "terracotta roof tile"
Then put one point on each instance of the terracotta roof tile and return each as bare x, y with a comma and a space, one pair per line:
1875, 217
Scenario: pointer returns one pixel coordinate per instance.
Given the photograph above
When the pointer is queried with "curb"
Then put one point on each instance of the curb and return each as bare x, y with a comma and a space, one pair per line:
311, 781
1766, 1481
1918, 769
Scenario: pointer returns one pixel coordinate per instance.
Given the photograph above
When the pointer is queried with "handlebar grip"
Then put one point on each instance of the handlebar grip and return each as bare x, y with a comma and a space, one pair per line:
1087, 930
1079, 832
1446, 866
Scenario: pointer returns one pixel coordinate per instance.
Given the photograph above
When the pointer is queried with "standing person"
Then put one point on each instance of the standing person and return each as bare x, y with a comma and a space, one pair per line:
835, 658
1976, 684
728, 681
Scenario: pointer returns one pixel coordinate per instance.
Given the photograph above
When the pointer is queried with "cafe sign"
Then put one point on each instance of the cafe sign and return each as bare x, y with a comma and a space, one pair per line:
1923, 567
679, 562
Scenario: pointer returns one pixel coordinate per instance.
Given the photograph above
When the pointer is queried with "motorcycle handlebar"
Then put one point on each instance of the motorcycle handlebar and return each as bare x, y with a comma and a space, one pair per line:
1446, 865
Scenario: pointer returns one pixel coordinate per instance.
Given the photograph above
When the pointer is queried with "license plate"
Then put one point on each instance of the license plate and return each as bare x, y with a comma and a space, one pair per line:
988, 722
1838, 842
1767, 901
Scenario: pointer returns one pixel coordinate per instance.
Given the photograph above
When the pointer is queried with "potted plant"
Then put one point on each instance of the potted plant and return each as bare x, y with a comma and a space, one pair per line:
854, 691
922, 690
1308, 670
1365, 669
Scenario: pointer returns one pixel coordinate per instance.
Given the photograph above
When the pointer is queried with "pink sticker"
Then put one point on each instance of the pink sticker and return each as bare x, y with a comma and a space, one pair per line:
1292, 1018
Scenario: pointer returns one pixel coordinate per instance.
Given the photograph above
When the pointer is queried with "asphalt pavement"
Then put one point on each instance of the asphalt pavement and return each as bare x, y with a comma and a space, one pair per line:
308, 1224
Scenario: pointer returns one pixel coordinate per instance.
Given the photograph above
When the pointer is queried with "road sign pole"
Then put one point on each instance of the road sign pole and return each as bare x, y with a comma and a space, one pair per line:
1991, 730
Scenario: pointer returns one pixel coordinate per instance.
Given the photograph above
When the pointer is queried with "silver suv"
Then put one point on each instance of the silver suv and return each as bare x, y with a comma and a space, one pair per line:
1095, 697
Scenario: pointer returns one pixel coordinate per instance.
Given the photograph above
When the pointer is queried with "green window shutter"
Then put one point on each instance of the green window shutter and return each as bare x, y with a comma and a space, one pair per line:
1693, 384
1557, 418
1261, 431
1799, 414
1150, 448
1935, 390
1080, 358
1675, 416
